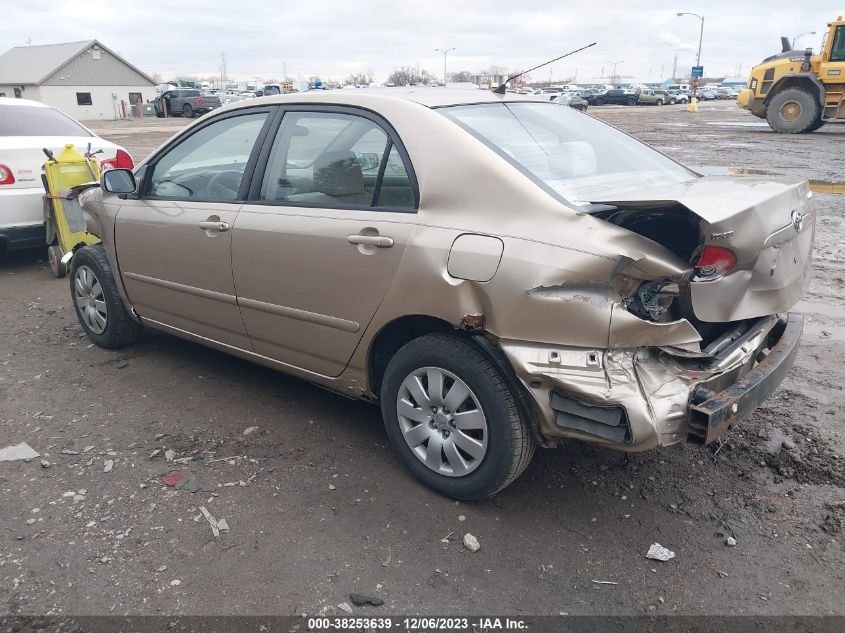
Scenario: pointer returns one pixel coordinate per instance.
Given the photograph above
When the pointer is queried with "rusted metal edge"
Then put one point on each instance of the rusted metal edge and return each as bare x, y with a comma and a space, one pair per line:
723, 411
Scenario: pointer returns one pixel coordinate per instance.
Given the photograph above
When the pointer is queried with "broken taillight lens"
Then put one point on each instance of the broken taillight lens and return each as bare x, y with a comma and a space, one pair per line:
714, 263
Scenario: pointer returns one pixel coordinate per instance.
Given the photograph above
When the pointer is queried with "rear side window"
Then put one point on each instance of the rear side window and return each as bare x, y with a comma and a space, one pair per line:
329, 159
18, 120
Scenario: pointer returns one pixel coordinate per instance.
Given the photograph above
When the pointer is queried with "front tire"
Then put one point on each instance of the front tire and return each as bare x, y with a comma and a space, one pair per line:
631, 102
187, 111
452, 418
793, 111
97, 302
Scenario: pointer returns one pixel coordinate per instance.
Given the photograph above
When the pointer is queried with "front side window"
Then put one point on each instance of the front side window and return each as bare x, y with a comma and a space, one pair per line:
837, 53
576, 158
209, 164
333, 159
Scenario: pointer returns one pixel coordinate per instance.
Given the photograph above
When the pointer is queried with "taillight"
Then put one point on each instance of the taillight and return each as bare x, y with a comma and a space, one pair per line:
199, 101
121, 161
6, 177
713, 263
124, 160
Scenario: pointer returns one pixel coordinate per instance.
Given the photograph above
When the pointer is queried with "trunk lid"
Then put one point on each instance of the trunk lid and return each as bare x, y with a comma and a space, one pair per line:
768, 224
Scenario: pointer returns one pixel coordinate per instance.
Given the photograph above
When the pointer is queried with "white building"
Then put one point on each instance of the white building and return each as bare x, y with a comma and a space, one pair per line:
83, 79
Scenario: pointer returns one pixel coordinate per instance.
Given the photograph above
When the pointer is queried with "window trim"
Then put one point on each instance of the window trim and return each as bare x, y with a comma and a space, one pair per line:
150, 165
393, 140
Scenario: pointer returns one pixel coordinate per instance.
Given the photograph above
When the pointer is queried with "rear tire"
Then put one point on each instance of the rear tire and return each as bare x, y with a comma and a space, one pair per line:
599, 102
659, 102
97, 303
793, 111
631, 102
504, 444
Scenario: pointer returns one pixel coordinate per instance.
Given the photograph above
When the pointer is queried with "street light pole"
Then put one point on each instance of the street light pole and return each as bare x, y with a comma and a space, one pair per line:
445, 52
800, 36
700, 35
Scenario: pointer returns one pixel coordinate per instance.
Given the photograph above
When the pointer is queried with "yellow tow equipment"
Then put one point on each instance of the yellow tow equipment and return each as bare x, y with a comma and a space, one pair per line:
62, 212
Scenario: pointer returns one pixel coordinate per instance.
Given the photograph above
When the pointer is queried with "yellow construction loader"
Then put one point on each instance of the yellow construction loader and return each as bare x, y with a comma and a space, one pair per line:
797, 91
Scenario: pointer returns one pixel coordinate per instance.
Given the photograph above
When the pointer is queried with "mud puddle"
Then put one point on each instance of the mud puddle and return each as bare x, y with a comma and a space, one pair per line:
816, 186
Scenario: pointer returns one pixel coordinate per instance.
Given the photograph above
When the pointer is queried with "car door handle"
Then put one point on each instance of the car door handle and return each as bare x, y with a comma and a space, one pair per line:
378, 241
214, 225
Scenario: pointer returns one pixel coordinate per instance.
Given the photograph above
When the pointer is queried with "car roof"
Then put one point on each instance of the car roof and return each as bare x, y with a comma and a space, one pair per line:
430, 97
22, 102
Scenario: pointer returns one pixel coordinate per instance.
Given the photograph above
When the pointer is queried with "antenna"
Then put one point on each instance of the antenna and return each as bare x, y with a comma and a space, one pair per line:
501, 88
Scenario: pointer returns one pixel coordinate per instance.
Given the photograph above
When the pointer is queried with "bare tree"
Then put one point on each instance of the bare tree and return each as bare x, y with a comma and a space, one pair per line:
410, 76
359, 79
461, 76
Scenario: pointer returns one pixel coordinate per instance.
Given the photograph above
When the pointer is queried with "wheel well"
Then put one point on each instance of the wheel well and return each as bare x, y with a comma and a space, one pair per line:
806, 82
393, 336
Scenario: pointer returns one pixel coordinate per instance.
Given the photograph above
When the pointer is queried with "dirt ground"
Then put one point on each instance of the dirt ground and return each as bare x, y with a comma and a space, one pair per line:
319, 507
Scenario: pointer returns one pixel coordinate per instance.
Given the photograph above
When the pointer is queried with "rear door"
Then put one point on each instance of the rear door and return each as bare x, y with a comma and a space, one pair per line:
174, 242
315, 249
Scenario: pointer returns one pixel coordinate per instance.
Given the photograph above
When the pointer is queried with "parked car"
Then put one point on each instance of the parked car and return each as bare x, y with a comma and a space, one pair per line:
727, 93
495, 270
572, 100
26, 127
706, 94
616, 96
680, 96
186, 102
656, 97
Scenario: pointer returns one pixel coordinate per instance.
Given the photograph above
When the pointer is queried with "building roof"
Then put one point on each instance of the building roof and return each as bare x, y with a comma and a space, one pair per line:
31, 65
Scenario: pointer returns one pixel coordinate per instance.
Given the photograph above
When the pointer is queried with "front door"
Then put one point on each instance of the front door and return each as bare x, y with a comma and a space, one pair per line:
174, 243
316, 249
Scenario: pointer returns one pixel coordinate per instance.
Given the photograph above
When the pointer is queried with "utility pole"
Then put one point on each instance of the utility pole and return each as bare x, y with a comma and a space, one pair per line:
700, 34
445, 52
284, 71
675, 67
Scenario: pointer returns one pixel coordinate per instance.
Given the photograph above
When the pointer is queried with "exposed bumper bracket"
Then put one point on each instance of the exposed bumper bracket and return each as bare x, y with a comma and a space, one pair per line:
722, 411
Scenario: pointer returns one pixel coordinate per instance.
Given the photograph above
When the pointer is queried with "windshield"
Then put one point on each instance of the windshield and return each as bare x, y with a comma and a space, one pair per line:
20, 120
569, 154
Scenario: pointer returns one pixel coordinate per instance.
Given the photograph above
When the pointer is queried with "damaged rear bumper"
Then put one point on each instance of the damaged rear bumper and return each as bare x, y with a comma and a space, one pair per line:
637, 399
719, 412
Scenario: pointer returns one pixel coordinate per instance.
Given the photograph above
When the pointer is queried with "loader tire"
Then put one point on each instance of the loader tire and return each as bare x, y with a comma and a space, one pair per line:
793, 111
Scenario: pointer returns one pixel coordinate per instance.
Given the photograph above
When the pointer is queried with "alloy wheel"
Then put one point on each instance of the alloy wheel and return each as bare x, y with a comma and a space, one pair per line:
90, 300
442, 421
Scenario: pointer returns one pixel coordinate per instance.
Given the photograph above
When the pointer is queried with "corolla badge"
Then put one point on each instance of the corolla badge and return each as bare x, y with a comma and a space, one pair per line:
797, 220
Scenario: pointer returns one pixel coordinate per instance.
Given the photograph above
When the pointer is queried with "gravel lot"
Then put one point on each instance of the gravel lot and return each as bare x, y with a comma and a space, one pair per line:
319, 507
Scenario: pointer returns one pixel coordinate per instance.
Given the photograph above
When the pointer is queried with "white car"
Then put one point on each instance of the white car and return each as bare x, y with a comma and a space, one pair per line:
26, 127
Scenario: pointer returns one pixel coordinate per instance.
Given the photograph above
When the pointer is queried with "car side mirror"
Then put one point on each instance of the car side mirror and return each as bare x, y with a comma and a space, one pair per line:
120, 181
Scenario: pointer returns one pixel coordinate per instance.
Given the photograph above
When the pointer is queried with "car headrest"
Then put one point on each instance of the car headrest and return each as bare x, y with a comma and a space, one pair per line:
338, 174
572, 159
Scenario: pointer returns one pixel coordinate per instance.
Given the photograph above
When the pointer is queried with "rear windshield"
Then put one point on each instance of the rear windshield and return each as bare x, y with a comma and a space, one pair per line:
571, 155
19, 120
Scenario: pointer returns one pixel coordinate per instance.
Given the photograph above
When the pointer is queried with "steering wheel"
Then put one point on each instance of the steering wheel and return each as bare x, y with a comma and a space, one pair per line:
224, 185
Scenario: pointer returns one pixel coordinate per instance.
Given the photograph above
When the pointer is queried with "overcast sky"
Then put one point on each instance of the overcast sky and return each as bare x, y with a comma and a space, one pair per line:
334, 38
